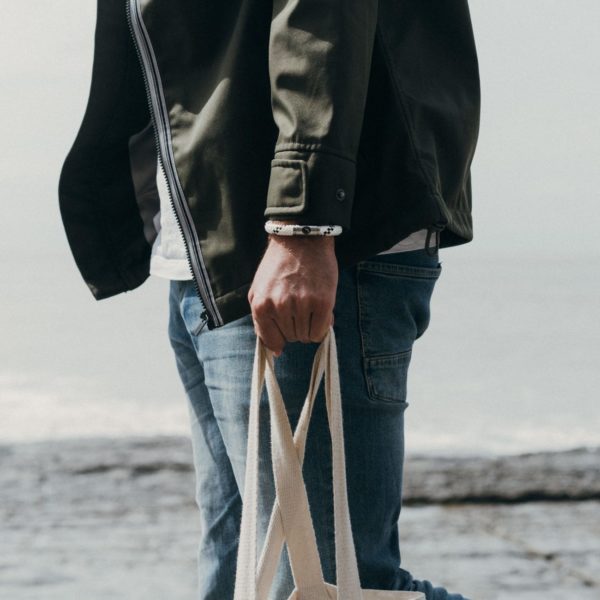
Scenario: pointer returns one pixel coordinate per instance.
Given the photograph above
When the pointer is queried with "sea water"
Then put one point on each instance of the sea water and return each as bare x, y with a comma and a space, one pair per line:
508, 364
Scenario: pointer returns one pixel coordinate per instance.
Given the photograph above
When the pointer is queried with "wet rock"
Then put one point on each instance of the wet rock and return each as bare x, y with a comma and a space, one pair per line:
116, 518
531, 477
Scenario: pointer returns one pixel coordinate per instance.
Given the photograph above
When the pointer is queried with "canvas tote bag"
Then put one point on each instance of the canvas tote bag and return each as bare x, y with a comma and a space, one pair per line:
290, 520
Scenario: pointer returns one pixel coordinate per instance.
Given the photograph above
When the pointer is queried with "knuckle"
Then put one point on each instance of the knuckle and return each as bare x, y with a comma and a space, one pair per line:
262, 306
321, 303
303, 299
282, 304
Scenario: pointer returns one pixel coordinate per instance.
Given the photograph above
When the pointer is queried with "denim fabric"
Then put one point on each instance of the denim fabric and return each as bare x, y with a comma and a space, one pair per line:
382, 307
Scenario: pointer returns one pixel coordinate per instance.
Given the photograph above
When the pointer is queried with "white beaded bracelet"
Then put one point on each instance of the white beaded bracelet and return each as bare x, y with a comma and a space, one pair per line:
295, 229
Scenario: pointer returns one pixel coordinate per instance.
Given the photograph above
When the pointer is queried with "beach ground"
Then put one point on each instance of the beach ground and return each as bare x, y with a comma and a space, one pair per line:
116, 518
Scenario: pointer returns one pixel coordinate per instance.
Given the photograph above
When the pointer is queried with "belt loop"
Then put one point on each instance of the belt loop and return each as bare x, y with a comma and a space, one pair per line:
433, 251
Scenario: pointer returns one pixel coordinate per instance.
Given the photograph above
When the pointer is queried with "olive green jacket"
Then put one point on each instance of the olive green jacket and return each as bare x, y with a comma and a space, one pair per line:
361, 113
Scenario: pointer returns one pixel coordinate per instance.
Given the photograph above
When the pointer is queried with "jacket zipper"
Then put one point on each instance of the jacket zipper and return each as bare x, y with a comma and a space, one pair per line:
166, 160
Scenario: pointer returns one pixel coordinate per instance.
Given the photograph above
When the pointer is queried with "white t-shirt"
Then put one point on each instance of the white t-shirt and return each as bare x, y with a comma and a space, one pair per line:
169, 260
168, 257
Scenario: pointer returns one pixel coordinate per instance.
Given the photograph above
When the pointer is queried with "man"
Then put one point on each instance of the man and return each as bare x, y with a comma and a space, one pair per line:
209, 124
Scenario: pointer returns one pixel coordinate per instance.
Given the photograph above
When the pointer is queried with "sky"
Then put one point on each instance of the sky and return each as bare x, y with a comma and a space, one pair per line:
535, 196
533, 173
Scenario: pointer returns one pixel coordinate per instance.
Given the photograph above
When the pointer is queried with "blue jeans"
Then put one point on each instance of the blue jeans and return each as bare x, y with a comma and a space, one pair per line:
382, 307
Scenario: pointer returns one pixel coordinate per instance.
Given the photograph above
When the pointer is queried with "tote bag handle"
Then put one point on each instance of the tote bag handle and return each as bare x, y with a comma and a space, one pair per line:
291, 509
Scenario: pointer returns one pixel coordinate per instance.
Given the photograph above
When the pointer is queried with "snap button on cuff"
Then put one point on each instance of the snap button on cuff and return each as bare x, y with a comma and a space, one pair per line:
340, 194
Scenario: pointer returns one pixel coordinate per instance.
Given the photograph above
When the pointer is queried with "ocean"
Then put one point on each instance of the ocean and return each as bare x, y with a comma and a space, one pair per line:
508, 364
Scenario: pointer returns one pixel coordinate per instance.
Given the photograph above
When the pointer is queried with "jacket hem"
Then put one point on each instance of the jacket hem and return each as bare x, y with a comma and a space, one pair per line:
234, 304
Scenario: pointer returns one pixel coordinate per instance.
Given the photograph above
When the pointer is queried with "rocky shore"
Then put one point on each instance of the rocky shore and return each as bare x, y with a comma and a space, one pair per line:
115, 518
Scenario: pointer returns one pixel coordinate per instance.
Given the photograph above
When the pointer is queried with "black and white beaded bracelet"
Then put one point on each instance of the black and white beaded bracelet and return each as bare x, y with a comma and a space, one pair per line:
295, 229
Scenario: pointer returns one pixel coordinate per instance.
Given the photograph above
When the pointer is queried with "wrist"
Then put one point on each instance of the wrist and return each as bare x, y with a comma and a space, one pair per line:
302, 240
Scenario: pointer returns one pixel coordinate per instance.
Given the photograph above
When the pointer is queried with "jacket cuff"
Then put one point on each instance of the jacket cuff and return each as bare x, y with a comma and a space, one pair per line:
311, 188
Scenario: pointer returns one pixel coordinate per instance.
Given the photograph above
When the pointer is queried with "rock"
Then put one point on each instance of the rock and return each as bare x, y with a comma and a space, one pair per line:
542, 476
116, 518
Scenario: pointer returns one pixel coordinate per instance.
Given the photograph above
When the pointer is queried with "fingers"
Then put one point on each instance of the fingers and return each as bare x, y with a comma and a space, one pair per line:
302, 321
319, 325
273, 324
291, 320
270, 334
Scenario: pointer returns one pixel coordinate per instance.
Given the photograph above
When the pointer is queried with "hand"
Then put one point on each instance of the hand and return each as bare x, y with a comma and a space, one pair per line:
293, 292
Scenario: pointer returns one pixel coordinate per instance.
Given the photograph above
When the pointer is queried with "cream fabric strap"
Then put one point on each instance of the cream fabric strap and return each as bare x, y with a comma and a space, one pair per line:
290, 517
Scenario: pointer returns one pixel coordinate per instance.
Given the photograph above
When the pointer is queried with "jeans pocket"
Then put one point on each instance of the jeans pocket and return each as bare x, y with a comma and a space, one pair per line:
393, 294
394, 304
191, 307
386, 378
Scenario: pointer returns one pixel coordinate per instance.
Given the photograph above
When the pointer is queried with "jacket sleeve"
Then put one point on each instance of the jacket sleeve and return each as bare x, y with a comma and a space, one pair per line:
319, 64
